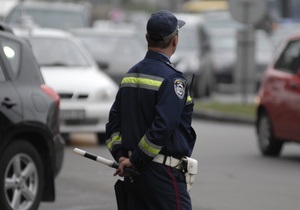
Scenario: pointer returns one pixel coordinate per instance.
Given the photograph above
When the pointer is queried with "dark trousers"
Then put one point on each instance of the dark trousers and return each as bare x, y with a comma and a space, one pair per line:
158, 187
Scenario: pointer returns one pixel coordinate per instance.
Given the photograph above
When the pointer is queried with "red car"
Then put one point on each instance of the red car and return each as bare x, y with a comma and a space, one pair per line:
278, 110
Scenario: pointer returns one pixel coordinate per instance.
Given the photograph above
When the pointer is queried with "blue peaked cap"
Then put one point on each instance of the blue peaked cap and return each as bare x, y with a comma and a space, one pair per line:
163, 23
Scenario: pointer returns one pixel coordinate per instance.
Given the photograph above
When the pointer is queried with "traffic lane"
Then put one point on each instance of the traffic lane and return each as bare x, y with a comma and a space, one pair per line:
233, 175
84, 184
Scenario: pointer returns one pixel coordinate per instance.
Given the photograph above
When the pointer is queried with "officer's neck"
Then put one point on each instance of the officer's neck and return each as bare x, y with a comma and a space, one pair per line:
166, 51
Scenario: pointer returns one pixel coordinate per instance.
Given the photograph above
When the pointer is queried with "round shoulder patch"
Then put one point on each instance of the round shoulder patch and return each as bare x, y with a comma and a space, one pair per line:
179, 87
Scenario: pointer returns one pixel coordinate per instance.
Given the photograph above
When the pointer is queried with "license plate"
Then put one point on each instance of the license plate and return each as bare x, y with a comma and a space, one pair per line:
72, 114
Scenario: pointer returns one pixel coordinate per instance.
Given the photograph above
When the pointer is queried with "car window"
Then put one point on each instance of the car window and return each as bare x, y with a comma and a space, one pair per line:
59, 52
51, 18
128, 47
2, 77
289, 60
12, 51
117, 47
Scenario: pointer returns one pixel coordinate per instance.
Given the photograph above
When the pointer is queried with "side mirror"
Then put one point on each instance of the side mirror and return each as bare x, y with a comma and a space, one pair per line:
5, 27
103, 65
298, 72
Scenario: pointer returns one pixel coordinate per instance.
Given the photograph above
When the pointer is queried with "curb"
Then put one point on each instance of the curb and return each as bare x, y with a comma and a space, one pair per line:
221, 117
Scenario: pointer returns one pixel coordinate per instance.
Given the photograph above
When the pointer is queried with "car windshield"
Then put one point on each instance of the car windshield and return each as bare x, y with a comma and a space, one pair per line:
12, 51
113, 46
57, 52
222, 42
52, 18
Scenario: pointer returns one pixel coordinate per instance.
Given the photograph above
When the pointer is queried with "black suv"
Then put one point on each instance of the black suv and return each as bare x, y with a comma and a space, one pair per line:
31, 149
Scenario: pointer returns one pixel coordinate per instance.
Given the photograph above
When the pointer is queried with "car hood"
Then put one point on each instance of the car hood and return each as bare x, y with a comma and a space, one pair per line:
225, 57
71, 79
184, 54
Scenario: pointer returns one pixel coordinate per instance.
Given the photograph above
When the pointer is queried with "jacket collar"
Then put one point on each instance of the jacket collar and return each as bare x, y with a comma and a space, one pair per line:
157, 56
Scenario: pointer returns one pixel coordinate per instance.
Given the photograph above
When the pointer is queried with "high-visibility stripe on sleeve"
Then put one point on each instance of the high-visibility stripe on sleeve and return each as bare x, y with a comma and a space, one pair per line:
142, 81
189, 100
149, 148
113, 140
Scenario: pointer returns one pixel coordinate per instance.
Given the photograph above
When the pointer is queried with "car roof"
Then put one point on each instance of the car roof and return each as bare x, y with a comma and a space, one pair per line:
293, 37
189, 18
104, 31
51, 5
42, 32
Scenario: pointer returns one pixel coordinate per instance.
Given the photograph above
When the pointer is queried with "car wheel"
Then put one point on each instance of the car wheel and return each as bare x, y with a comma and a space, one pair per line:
66, 137
268, 145
21, 177
101, 138
196, 88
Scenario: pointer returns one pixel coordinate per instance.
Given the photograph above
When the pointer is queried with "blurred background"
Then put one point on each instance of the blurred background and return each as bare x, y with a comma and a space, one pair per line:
216, 33
113, 35
84, 48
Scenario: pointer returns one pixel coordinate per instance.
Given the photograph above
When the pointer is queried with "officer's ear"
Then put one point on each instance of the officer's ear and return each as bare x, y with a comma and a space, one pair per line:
175, 41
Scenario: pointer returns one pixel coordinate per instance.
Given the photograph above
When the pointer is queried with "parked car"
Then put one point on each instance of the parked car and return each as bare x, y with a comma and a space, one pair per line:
224, 51
193, 55
220, 19
116, 47
86, 92
278, 110
60, 15
31, 148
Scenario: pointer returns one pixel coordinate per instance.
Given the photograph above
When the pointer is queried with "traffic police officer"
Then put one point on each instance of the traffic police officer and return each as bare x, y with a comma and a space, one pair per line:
149, 126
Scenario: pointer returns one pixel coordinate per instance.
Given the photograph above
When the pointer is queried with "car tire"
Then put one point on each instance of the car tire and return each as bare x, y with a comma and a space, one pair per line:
66, 137
200, 90
101, 138
196, 87
21, 177
268, 145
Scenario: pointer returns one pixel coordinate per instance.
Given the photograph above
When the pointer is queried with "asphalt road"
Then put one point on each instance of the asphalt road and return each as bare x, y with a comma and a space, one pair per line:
232, 175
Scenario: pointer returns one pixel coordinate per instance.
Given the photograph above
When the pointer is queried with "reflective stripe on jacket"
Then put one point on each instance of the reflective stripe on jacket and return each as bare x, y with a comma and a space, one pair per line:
152, 113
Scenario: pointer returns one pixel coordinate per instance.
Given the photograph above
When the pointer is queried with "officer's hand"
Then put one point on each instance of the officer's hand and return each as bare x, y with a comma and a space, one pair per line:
124, 162
121, 159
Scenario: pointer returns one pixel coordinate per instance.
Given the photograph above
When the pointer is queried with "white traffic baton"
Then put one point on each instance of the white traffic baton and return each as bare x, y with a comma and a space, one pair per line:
120, 191
104, 161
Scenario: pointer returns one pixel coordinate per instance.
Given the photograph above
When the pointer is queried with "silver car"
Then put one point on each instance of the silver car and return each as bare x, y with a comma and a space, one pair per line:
115, 48
86, 92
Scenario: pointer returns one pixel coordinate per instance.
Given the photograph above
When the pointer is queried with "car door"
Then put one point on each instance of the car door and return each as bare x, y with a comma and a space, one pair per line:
10, 105
286, 80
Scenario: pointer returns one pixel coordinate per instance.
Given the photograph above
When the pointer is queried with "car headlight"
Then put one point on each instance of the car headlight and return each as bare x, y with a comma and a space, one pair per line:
105, 94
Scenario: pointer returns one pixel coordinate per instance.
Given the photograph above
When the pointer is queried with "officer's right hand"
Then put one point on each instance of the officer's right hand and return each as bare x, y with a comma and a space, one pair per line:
124, 162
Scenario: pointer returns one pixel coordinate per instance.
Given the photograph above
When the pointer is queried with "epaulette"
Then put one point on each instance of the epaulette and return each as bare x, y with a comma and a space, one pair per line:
173, 67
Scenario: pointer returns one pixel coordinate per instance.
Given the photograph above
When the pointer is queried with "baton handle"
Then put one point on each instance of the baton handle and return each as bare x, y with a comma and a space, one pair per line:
104, 161
94, 157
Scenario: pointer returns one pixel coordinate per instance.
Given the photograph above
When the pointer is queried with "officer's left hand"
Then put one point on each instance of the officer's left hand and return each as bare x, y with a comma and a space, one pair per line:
124, 163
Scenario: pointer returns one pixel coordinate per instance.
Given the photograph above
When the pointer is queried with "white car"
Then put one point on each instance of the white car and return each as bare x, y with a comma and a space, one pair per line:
86, 92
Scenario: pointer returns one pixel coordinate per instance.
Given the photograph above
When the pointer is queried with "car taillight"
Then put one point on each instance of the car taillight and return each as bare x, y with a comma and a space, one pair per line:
50, 92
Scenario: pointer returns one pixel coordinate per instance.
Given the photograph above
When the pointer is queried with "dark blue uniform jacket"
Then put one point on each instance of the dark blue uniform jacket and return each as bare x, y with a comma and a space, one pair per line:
152, 113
